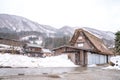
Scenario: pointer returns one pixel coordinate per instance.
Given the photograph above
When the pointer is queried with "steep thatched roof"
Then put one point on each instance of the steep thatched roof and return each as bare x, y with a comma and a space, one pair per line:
95, 41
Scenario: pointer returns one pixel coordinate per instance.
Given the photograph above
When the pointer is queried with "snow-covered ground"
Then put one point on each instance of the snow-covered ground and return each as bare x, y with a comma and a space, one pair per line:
92, 65
116, 61
25, 61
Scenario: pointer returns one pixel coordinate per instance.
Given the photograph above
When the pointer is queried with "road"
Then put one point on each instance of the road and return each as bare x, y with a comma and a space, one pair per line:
79, 73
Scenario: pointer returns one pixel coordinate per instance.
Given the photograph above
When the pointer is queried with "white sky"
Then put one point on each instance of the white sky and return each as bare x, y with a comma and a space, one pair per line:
98, 14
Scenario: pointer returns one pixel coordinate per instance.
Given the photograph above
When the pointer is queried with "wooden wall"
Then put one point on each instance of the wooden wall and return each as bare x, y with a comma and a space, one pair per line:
83, 40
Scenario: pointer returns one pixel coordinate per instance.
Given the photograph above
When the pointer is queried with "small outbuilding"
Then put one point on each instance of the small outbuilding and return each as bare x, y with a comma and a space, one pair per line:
32, 50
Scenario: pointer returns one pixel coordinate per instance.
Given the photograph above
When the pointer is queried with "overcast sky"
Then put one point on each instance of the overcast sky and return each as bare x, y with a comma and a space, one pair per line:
98, 14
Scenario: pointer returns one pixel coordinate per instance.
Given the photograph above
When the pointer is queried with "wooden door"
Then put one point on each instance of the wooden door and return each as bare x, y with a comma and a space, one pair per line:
77, 58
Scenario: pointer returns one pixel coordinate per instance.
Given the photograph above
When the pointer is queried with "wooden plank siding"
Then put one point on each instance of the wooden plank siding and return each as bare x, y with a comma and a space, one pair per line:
32, 50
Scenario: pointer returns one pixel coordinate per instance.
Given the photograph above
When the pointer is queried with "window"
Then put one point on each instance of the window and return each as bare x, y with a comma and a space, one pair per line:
80, 37
80, 44
33, 49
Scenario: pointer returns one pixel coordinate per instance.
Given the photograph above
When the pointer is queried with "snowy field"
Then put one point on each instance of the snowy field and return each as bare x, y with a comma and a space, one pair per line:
13, 60
25, 61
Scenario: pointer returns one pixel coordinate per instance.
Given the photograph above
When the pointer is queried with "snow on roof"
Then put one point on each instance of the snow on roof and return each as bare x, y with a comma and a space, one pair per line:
46, 50
34, 45
4, 46
8, 47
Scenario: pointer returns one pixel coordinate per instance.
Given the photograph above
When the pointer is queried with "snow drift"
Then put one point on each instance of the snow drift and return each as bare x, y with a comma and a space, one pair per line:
116, 61
25, 61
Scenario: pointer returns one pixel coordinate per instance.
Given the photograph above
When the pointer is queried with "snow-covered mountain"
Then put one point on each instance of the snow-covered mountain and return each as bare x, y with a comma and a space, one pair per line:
26, 28
18, 24
66, 31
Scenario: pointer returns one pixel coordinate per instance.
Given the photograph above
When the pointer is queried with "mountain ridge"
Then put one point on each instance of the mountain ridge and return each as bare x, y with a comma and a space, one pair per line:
26, 27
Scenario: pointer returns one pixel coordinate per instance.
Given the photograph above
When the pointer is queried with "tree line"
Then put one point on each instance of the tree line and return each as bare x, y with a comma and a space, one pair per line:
117, 43
53, 42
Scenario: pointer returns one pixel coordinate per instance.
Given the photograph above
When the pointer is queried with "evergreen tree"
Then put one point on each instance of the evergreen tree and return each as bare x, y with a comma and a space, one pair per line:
117, 43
